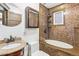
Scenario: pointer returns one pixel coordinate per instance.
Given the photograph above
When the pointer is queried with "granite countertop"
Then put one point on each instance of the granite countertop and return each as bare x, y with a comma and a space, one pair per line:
8, 51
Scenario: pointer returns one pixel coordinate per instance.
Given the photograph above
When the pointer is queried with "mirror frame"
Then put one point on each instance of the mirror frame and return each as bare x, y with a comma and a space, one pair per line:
27, 9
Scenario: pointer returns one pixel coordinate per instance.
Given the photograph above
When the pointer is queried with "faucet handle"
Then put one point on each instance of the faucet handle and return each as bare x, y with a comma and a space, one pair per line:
11, 38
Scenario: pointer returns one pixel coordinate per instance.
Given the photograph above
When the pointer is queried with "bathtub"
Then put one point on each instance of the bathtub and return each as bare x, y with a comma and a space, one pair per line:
59, 44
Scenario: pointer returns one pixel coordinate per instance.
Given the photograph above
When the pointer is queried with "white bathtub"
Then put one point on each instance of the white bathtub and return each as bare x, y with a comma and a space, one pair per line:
59, 44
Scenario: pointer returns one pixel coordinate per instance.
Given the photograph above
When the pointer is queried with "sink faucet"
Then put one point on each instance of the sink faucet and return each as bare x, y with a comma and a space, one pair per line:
11, 39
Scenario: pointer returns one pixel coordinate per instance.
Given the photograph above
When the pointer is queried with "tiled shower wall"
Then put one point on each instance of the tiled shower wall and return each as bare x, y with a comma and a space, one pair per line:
71, 19
43, 17
60, 32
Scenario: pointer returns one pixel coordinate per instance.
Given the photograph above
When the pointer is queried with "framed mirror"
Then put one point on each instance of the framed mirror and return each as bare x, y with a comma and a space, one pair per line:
14, 19
9, 18
32, 18
58, 18
1, 14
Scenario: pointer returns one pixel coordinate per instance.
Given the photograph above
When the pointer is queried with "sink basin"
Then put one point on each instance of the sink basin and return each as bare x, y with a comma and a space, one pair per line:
10, 46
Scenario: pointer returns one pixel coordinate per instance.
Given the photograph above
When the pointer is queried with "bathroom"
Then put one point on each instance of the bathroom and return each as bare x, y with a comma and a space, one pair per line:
39, 29
58, 31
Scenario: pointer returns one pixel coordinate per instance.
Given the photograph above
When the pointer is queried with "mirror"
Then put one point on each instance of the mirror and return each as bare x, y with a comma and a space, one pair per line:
9, 18
1, 17
32, 18
13, 19
1, 14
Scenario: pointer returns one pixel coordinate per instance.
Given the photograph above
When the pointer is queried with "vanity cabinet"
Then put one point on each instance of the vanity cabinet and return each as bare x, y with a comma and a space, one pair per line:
13, 48
32, 18
16, 53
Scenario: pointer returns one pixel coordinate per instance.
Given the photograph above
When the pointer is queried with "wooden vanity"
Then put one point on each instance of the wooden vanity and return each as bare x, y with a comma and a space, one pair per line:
18, 51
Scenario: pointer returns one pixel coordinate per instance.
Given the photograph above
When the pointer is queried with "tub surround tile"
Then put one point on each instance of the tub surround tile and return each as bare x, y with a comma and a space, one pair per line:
66, 32
56, 51
43, 16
